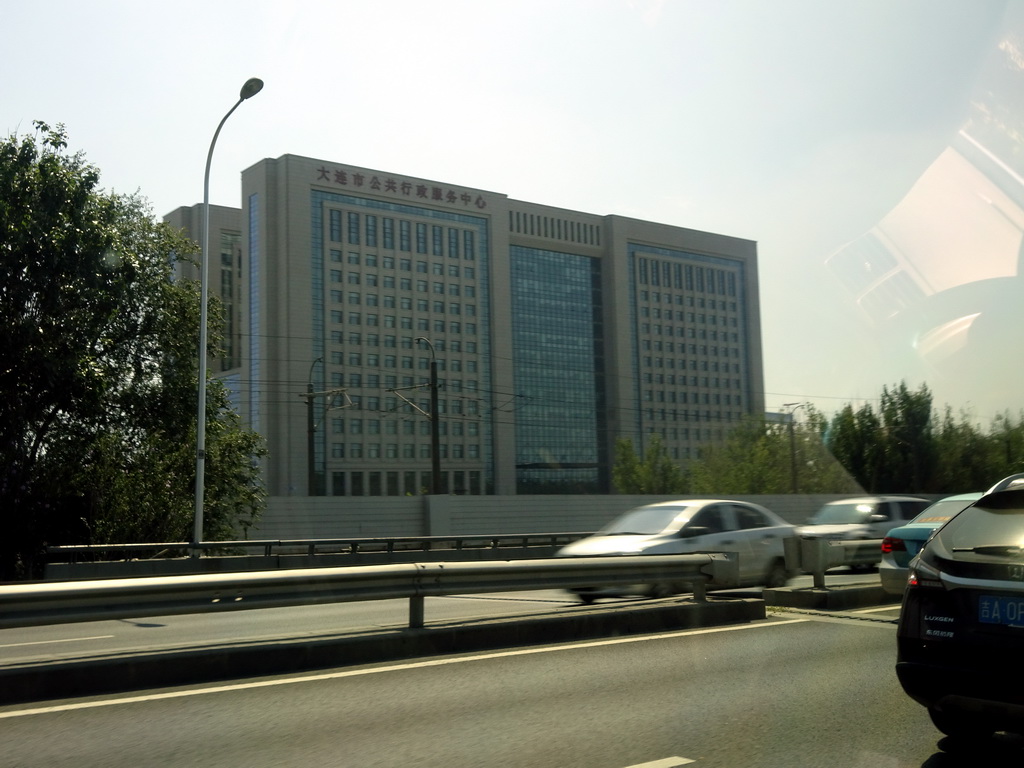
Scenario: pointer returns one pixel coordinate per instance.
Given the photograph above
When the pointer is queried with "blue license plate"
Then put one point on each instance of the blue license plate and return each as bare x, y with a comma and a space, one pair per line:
1008, 611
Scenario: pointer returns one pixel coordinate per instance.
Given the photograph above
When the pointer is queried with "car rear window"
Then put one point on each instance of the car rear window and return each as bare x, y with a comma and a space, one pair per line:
997, 519
943, 510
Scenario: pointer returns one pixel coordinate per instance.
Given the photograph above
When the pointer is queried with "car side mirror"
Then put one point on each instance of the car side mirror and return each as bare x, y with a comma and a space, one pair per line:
693, 531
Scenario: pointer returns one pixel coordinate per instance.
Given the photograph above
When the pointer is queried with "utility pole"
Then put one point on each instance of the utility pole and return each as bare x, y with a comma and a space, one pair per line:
313, 486
792, 443
435, 423
316, 488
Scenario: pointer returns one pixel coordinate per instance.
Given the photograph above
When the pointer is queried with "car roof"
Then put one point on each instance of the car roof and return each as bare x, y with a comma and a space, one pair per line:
863, 499
973, 496
678, 502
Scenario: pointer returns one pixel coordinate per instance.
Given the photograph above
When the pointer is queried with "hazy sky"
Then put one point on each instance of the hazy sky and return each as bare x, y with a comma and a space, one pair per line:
799, 124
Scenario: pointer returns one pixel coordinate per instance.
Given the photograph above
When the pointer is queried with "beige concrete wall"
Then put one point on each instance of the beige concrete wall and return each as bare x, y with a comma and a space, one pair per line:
365, 516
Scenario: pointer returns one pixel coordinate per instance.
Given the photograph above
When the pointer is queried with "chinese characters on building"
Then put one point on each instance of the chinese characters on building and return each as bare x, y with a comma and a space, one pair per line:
392, 186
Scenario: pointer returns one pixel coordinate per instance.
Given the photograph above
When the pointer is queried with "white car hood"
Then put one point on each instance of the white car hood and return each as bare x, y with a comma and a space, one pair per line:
840, 531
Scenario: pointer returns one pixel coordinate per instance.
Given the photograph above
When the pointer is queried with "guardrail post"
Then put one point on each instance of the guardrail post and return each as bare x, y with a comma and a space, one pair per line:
700, 592
815, 559
416, 612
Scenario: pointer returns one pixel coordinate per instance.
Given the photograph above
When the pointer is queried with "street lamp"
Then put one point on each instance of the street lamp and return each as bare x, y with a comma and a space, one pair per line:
252, 86
435, 423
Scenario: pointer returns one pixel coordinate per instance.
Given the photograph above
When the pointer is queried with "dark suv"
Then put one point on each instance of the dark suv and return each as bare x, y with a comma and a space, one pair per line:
961, 630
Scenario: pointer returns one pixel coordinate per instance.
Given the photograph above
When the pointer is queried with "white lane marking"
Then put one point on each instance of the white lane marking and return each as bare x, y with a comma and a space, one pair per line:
47, 642
377, 670
668, 762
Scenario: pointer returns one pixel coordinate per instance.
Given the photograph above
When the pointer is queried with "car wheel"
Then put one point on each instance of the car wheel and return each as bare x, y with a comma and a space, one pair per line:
777, 575
586, 598
959, 725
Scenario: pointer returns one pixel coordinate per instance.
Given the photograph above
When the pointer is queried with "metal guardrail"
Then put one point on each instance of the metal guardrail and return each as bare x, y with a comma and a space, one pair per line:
812, 555
310, 547
64, 602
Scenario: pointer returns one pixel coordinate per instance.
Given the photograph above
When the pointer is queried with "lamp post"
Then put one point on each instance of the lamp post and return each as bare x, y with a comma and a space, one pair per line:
435, 423
251, 88
794, 407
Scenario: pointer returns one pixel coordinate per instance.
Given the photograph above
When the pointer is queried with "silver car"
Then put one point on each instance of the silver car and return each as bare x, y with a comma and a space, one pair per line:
865, 517
685, 527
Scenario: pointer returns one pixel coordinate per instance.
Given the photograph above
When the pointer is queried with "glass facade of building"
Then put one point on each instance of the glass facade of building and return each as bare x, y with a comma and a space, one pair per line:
557, 337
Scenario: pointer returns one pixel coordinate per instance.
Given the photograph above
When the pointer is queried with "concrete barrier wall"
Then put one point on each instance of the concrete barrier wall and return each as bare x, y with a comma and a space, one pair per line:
381, 516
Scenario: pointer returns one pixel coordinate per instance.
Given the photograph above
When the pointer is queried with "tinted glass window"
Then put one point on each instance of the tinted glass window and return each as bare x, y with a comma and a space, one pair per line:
910, 508
844, 513
999, 522
710, 518
747, 517
941, 511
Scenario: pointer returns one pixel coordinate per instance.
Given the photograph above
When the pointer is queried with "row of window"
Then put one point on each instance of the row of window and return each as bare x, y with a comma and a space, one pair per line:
657, 345
374, 231
680, 300
671, 414
355, 338
694, 349
409, 482
688, 277
405, 323
680, 316
374, 361
670, 363
697, 398
438, 307
457, 405
456, 428
356, 258
549, 226
390, 300
470, 451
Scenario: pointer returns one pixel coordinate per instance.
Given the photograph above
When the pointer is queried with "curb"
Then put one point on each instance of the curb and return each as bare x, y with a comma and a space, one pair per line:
830, 598
189, 666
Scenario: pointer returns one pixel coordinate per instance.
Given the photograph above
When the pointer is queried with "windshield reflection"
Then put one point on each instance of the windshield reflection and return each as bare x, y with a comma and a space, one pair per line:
646, 521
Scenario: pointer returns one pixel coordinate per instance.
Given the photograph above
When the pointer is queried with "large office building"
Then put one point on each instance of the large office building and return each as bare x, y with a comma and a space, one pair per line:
552, 332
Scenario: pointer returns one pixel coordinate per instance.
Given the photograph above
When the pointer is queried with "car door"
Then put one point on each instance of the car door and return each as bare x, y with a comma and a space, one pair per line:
722, 535
761, 538
889, 512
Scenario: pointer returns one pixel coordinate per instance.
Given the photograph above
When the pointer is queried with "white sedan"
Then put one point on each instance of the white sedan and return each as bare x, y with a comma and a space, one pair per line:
685, 527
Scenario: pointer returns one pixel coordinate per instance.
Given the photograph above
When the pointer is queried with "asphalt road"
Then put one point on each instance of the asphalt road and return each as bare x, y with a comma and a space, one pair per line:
792, 690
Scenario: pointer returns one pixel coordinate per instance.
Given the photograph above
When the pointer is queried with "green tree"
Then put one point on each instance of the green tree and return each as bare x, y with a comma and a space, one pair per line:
763, 457
908, 447
98, 380
854, 439
908, 439
966, 459
654, 473
1007, 438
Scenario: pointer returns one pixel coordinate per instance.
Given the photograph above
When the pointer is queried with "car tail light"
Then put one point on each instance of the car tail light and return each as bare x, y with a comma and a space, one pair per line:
923, 576
892, 544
